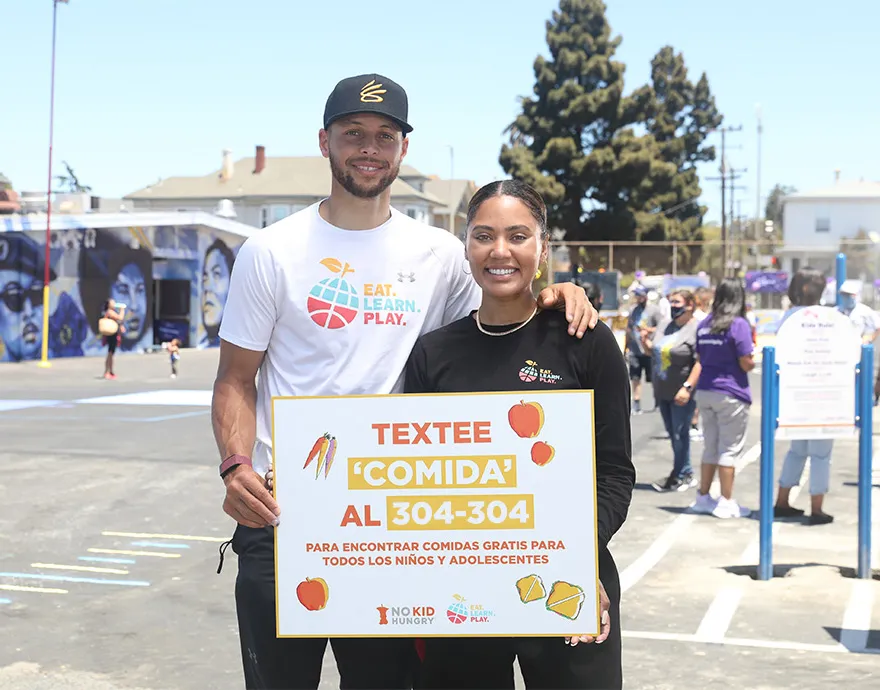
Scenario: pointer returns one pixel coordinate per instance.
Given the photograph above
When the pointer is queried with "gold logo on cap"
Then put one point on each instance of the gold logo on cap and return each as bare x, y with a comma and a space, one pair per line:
372, 92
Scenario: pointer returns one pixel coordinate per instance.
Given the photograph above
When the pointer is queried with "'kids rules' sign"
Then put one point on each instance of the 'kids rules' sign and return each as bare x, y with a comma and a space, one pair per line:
433, 515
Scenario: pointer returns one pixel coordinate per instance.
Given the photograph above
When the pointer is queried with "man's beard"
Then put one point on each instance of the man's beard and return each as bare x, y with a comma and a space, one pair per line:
360, 191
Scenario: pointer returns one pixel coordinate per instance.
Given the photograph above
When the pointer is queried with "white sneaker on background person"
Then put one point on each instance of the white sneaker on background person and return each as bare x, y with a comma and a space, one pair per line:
727, 508
703, 505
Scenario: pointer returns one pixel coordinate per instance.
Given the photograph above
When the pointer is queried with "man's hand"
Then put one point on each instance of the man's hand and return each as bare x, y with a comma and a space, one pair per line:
578, 310
248, 502
605, 621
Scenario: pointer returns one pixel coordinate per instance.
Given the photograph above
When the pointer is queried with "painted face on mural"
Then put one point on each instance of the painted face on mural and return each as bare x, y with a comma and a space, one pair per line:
21, 314
130, 289
215, 287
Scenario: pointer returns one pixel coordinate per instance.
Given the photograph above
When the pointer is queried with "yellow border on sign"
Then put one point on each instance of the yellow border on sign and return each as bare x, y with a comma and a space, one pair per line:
567, 391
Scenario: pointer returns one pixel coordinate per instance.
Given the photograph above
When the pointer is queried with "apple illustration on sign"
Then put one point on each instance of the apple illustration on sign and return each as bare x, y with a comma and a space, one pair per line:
542, 453
526, 419
313, 593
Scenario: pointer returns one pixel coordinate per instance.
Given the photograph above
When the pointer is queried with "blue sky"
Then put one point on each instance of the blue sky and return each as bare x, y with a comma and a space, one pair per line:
157, 89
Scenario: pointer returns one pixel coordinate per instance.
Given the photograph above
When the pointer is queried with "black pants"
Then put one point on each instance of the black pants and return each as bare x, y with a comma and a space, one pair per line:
271, 663
546, 662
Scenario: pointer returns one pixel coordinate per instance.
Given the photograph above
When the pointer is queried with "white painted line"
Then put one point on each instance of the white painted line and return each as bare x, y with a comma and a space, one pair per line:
640, 567
39, 590
9, 405
79, 568
740, 642
136, 553
857, 616
145, 535
720, 613
171, 397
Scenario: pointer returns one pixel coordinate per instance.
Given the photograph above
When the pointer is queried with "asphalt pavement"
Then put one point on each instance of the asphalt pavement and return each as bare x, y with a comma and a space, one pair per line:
111, 522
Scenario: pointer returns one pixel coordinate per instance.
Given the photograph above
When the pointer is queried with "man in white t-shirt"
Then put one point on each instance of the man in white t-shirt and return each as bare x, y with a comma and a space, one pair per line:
330, 301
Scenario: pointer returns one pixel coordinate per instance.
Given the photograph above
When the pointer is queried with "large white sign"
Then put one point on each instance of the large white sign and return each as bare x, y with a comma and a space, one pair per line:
435, 515
817, 350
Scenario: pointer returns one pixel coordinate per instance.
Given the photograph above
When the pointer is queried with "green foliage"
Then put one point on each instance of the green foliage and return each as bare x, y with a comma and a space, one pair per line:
773, 209
610, 166
71, 182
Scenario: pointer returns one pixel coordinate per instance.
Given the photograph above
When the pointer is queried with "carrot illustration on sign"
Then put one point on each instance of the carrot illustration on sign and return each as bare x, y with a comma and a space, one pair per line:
322, 454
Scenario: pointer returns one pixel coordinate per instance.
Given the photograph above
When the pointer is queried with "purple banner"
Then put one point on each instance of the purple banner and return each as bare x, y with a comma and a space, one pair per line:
766, 281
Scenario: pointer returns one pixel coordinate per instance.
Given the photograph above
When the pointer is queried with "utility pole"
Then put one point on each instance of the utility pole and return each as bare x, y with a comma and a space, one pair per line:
723, 179
758, 213
734, 176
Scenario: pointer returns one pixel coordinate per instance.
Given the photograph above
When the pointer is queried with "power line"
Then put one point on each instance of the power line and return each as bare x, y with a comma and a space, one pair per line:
723, 179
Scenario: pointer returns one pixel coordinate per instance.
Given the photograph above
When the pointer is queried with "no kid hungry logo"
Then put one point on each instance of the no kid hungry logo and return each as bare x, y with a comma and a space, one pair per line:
335, 302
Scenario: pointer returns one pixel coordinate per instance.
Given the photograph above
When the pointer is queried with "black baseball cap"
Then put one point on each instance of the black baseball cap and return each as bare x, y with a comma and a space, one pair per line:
368, 93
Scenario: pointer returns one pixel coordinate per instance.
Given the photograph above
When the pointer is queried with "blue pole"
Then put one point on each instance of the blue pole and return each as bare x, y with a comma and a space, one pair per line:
841, 276
865, 412
769, 403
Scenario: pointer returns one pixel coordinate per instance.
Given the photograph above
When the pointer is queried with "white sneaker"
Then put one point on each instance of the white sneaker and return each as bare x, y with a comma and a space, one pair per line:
704, 505
728, 508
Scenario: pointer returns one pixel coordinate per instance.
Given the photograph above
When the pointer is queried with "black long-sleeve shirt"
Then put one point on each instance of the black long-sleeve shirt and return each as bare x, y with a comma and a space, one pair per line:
542, 356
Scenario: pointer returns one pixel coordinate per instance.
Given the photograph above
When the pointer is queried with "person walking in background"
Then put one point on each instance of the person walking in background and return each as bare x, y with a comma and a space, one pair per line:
174, 354
805, 290
863, 318
111, 329
725, 351
642, 322
675, 373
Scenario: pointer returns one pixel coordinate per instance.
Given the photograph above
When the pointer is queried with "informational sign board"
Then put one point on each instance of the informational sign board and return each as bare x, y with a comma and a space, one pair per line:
817, 350
436, 515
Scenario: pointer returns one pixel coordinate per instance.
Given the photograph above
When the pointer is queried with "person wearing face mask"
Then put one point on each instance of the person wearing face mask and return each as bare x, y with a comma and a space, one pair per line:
863, 318
506, 241
676, 371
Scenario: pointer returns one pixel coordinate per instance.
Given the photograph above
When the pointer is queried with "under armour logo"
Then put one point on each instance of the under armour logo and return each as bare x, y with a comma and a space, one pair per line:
410, 277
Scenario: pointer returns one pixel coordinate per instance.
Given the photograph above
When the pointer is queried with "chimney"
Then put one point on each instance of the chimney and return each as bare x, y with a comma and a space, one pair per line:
837, 176
228, 168
260, 160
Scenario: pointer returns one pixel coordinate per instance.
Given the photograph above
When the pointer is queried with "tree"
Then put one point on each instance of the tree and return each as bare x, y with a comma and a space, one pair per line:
573, 139
775, 200
71, 182
681, 117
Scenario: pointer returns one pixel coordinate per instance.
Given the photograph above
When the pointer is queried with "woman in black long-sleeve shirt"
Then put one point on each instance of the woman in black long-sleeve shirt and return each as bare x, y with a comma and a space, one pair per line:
510, 345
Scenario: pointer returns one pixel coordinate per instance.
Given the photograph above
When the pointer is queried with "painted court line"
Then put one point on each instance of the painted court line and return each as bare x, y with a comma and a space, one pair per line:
122, 552
101, 559
857, 617
9, 405
39, 590
740, 642
181, 537
170, 397
640, 567
5, 601
79, 568
720, 613
87, 580
160, 544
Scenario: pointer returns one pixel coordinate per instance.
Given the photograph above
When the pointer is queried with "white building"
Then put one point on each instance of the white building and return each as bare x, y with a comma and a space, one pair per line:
816, 222
264, 190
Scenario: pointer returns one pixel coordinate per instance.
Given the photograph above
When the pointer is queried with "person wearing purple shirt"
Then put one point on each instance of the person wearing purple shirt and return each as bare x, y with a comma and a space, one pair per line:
724, 349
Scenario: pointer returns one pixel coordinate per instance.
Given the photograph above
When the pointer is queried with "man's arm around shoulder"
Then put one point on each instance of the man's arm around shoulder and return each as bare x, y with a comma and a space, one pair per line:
234, 418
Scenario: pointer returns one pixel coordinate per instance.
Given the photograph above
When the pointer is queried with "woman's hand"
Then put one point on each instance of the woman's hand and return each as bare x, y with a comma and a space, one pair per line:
578, 310
682, 397
605, 618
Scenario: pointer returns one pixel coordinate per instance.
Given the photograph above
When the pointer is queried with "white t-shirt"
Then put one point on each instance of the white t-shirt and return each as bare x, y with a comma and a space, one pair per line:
338, 311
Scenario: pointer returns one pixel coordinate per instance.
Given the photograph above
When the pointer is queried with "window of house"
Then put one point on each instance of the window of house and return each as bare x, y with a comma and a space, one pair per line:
278, 212
264, 217
411, 212
823, 225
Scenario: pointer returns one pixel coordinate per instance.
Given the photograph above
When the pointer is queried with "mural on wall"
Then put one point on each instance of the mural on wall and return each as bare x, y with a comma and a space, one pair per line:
89, 266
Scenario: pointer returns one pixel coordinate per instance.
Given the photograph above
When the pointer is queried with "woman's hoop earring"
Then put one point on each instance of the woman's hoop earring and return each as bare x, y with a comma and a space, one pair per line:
465, 265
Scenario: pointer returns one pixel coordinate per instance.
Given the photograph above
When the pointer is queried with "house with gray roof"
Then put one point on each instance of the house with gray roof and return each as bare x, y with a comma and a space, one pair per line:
261, 190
